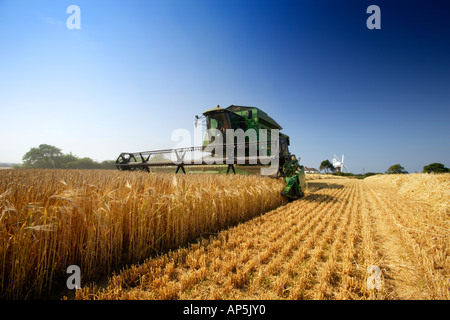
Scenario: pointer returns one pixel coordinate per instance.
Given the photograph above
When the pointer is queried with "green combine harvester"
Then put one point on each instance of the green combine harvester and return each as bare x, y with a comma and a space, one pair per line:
236, 135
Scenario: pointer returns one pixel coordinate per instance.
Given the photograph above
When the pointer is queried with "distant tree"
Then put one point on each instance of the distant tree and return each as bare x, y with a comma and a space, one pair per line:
83, 163
435, 168
396, 168
50, 157
326, 166
65, 159
45, 156
108, 164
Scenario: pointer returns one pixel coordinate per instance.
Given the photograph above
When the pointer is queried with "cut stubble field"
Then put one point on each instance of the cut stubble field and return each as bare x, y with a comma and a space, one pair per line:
224, 237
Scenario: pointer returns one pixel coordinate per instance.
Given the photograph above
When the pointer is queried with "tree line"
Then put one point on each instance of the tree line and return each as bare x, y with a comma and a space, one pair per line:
431, 168
50, 157
436, 167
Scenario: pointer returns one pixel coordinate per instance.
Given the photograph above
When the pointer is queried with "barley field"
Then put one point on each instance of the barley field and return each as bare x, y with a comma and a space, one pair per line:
160, 236
100, 220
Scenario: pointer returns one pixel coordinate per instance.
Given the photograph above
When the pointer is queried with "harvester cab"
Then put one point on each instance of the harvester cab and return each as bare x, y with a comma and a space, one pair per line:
221, 144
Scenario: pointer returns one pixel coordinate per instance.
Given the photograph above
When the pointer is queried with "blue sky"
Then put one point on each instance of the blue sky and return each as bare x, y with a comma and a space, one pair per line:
138, 70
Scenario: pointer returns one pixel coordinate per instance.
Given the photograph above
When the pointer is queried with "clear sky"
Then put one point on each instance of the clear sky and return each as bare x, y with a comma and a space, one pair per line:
138, 70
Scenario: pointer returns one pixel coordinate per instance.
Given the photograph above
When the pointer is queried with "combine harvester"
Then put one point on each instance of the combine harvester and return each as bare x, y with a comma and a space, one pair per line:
234, 135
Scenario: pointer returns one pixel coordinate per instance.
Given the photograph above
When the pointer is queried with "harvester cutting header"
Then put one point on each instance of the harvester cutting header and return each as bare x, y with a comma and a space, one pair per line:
236, 135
